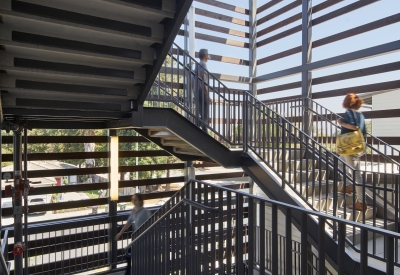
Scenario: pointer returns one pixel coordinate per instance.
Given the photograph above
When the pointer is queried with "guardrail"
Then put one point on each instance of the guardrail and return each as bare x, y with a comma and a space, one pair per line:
302, 164
213, 230
379, 157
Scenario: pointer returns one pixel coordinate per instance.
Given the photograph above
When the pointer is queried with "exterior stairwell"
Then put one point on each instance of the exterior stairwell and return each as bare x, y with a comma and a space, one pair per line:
379, 163
285, 163
82, 64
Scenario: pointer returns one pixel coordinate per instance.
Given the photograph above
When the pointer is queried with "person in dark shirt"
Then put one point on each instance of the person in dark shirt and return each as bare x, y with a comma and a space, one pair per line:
201, 91
137, 217
352, 121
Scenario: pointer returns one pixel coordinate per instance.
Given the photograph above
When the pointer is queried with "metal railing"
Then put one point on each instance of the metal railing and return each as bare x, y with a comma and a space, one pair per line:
213, 230
70, 246
176, 82
260, 130
379, 157
306, 166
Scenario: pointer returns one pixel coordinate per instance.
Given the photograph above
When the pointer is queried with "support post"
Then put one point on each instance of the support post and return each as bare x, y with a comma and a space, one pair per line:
1, 175
17, 199
253, 45
112, 213
26, 240
250, 118
191, 32
189, 171
189, 47
306, 53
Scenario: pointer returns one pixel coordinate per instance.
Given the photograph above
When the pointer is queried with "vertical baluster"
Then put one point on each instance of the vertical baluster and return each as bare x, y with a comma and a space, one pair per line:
341, 247
251, 251
274, 227
228, 250
364, 252
389, 241
239, 215
288, 248
321, 243
220, 232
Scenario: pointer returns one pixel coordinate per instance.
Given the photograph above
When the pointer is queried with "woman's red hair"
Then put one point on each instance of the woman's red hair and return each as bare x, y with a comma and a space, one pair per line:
352, 101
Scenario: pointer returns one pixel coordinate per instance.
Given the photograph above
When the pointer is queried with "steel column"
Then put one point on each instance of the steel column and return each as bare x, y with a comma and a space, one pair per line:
253, 45
306, 52
112, 206
191, 35
17, 199
189, 171
1, 161
26, 255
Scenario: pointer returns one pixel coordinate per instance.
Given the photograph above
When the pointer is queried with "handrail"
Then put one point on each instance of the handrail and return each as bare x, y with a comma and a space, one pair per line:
265, 132
183, 238
368, 145
246, 99
304, 210
171, 210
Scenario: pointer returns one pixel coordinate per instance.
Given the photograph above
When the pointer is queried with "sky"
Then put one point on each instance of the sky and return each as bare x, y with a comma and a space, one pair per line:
370, 13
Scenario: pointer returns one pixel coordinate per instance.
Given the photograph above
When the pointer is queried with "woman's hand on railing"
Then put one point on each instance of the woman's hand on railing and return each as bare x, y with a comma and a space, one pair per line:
117, 237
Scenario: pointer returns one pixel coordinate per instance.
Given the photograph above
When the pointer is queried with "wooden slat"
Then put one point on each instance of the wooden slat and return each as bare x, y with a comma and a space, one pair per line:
221, 176
221, 40
283, 87
341, 11
88, 155
74, 139
220, 29
358, 30
278, 12
147, 182
225, 6
220, 58
221, 17
280, 99
336, 37
358, 73
227, 59
268, 5
98, 170
319, 20
280, 24
390, 85
335, 77
279, 55
150, 167
278, 36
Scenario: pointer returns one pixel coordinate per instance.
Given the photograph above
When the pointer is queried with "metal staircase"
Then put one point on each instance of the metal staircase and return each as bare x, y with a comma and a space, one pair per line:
287, 164
82, 64
209, 229
379, 157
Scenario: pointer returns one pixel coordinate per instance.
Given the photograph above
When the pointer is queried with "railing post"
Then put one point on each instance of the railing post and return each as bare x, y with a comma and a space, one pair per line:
112, 206
17, 199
